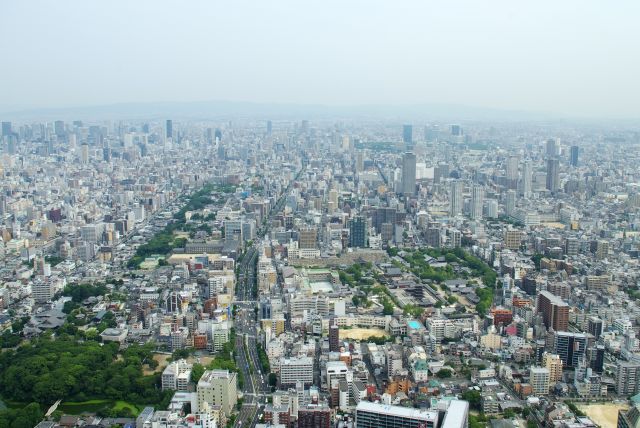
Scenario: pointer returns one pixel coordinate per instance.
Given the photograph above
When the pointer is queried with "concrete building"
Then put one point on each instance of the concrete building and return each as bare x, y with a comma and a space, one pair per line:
218, 388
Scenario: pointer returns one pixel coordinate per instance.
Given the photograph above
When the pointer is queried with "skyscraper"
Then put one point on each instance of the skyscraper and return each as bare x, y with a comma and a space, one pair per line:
408, 173
554, 310
169, 129
269, 127
552, 148
58, 127
527, 177
6, 128
477, 201
357, 232
359, 161
553, 174
455, 198
575, 150
511, 172
510, 202
407, 134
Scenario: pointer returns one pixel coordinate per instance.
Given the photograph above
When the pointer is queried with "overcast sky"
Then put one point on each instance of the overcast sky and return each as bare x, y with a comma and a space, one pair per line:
576, 58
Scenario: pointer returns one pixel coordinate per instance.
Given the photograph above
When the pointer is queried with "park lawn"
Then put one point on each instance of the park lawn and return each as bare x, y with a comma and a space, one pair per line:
92, 406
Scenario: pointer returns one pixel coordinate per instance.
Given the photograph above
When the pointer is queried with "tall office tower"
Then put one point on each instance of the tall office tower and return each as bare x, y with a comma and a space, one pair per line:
333, 197
571, 246
511, 172
218, 135
552, 148
527, 178
571, 347
357, 232
209, 135
510, 202
334, 337
169, 129
477, 201
491, 208
456, 130
58, 128
455, 198
6, 128
307, 238
84, 153
440, 171
269, 127
575, 150
553, 174
218, 388
554, 310
359, 161
594, 326
407, 134
408, 173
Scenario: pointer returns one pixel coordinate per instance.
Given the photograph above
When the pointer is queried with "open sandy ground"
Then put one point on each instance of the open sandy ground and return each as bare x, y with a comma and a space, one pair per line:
604, 414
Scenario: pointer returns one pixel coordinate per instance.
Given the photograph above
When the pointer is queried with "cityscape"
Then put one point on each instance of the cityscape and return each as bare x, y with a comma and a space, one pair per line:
333, 257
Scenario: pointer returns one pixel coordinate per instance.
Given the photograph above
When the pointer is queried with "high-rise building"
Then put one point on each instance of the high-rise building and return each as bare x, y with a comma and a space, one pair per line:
553, 174
334, 337
408, 173
539, 380
58, 128
511, 172
169, 129
555, 311
307, 238
527, 178
627, 378
359, 161
510, 202
218, 388
84, 153
477, 201
629, 418
571, 347
407, 134
512, 239
269, 127
575, 150
296, 369
6, 128
553, 363
455, 198
552, 148
357, 232
594, 326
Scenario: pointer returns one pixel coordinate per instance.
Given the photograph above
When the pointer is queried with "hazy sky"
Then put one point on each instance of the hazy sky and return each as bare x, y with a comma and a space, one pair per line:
578, 58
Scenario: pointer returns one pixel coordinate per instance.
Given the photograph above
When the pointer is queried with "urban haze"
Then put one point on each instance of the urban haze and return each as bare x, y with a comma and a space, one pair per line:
286, 214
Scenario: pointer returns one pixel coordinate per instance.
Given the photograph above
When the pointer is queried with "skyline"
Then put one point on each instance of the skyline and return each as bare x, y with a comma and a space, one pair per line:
74, 54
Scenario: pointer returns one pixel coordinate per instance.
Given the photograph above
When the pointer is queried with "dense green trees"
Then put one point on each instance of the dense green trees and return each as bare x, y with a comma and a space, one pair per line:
79, 292
474, 398
48, 370
264, 359
26, 417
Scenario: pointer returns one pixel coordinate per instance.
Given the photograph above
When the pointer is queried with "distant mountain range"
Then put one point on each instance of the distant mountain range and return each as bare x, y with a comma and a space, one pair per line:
276, 111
